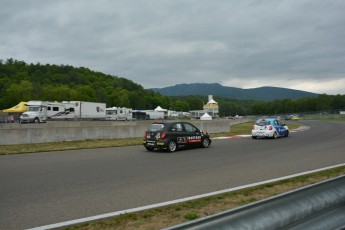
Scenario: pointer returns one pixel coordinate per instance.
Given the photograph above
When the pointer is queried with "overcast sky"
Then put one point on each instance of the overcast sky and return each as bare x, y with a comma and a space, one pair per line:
298, 44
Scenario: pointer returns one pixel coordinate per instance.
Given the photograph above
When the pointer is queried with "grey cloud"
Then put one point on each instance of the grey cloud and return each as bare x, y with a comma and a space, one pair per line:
162, 43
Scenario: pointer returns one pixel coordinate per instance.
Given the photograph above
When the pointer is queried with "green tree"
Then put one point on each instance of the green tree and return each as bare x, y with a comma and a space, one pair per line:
123, 98
21, 92
194, 103
86, 93
181, 106
119, 98
338, 102
58, 93
138, 100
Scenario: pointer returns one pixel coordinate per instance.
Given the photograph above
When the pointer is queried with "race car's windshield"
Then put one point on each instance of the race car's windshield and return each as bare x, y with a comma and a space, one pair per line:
156, 127
262, 122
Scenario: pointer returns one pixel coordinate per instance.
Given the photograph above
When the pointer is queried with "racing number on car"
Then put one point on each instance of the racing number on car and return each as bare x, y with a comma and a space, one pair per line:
181, 140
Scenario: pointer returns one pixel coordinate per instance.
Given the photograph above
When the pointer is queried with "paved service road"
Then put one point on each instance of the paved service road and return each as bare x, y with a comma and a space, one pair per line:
45, 188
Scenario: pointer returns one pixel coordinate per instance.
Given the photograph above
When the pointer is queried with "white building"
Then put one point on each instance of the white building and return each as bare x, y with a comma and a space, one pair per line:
211, 108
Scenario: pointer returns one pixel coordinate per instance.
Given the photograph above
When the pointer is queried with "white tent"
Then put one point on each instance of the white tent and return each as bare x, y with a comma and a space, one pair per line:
206, 117
159, 109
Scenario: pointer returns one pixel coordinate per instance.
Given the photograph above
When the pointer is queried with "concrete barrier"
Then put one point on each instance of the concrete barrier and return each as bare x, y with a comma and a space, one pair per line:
57, 131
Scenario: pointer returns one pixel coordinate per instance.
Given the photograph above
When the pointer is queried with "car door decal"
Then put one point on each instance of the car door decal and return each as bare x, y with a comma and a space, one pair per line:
193, 139
281, 130
181, 140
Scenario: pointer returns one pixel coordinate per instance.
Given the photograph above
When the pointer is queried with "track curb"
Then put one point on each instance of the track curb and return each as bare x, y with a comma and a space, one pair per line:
299, 129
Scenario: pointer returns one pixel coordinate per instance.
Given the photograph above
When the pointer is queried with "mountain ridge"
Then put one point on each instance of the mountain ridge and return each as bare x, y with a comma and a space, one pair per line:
265, 93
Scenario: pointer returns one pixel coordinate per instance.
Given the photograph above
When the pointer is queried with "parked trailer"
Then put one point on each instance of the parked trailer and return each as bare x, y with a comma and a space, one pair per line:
147, 115
138, 115
89, 110
118, 114
40, 111
151, 114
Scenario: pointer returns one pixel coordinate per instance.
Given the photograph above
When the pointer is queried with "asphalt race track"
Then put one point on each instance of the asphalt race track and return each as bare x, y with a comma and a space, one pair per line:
45, 188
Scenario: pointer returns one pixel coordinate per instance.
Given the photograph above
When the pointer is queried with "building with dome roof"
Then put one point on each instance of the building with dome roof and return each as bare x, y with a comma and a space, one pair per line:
211, 107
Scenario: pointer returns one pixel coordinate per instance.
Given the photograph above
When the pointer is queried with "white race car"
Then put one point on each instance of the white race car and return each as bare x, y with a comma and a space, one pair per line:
269, 128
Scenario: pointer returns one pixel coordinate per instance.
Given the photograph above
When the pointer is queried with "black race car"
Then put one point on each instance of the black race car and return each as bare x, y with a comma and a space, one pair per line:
175, 135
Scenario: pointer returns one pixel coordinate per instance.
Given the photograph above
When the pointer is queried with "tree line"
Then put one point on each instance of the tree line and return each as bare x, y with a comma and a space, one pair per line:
329, 103
20, 81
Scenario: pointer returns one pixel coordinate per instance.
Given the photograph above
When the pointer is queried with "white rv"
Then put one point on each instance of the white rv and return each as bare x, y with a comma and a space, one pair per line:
117, 113
40, 111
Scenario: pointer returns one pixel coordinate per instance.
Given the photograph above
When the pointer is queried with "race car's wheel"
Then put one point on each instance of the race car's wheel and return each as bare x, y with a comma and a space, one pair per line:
149, 148
254, 137
36, 120
287, 133
275, 135
205, 143
172, 146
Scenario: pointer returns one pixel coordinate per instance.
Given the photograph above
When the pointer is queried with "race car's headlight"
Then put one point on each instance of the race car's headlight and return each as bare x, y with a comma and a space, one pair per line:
203, 132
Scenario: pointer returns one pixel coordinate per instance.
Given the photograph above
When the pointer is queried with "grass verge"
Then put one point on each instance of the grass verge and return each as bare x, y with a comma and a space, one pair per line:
179, 213
68, 145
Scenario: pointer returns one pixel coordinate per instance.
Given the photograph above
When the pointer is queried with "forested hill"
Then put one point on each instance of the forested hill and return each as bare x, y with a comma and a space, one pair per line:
260, 94
20, 81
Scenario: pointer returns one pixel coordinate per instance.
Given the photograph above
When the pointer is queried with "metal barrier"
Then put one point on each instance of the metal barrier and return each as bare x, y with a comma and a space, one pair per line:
319, 206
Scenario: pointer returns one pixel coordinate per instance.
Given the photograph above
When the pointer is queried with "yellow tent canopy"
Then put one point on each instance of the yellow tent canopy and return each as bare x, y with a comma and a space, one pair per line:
20, 108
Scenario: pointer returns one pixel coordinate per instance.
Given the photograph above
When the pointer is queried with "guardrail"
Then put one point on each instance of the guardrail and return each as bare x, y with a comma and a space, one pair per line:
319, 206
